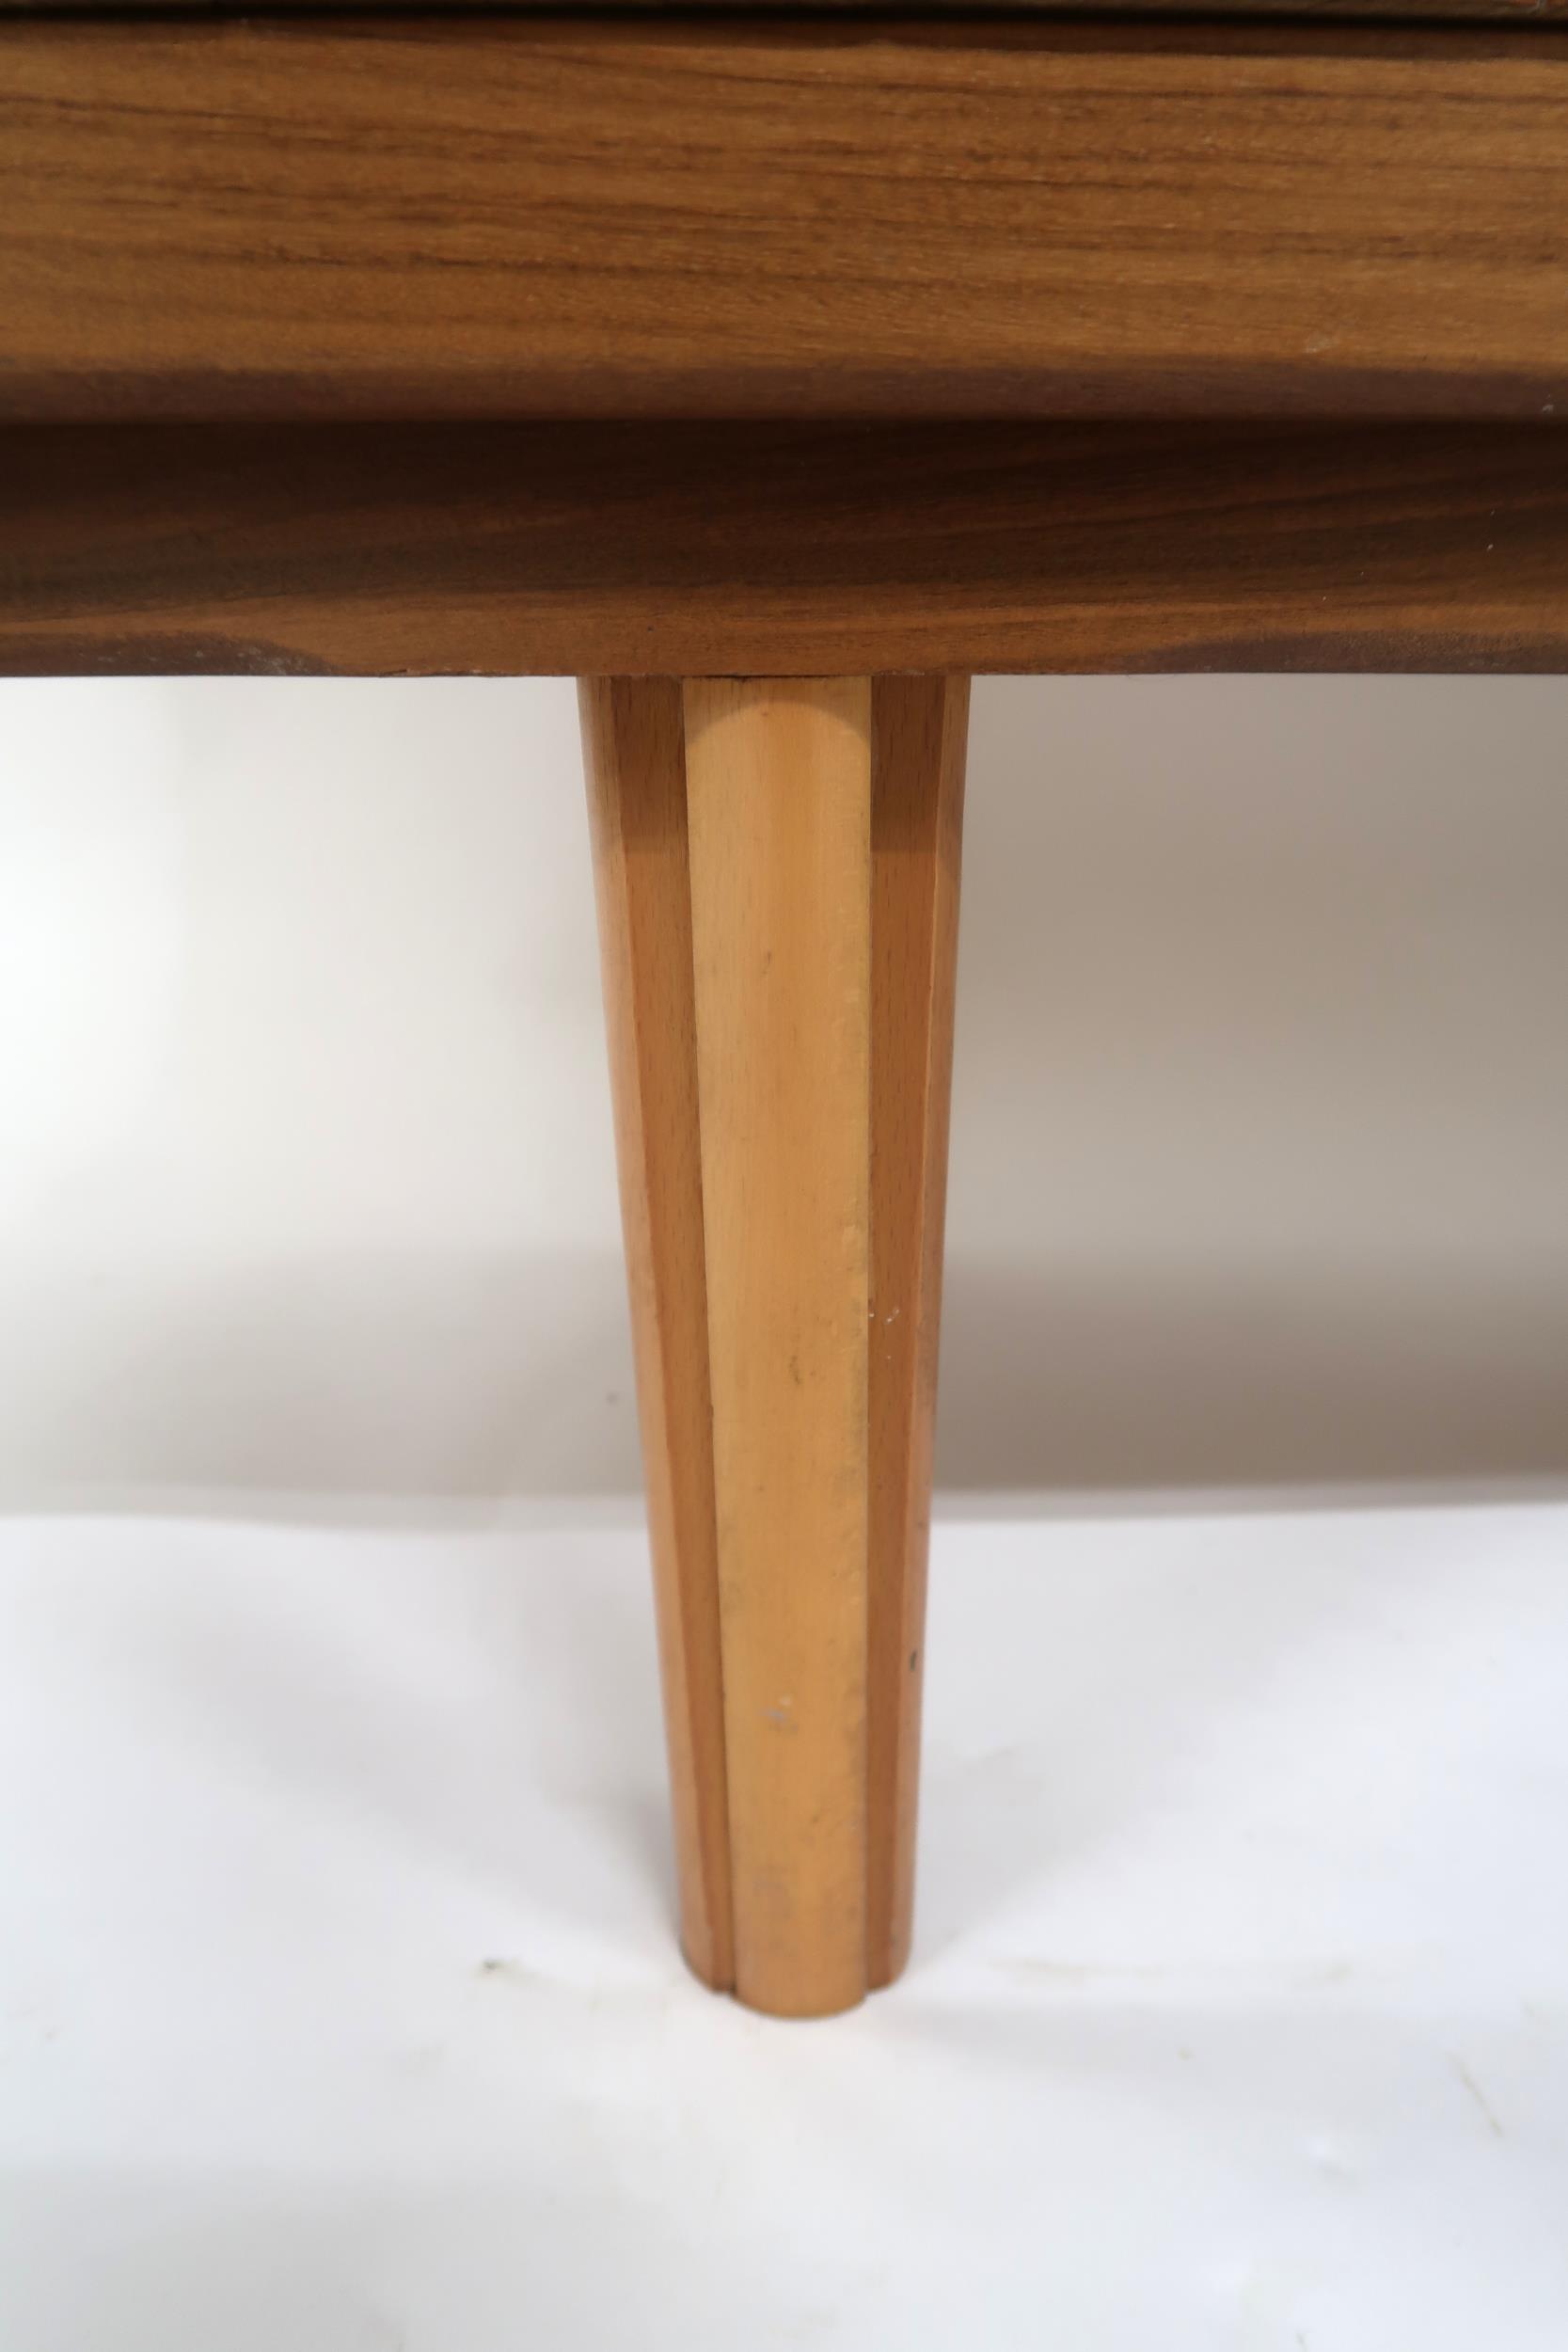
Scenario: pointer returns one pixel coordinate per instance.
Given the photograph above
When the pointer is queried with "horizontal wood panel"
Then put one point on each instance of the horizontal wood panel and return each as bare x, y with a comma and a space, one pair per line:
401, 220
694, 550
1520, 12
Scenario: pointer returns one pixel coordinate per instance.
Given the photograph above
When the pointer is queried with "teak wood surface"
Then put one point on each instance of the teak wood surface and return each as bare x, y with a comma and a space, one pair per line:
1523, 13
481, 218
691, 550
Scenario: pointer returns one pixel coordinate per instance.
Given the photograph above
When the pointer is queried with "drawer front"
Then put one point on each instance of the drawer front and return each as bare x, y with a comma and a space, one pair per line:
485, 219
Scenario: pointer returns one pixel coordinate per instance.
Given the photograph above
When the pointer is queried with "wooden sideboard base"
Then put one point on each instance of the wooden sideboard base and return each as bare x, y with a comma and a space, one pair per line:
705, 549
773, 377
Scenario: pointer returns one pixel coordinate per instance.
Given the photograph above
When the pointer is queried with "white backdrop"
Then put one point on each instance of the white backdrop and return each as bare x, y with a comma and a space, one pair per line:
1260, 1161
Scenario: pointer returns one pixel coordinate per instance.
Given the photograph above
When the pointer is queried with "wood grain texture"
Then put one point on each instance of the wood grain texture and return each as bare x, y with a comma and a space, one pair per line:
699, 550
635, 765
1523, 13
473, 217
919, 735
778, 797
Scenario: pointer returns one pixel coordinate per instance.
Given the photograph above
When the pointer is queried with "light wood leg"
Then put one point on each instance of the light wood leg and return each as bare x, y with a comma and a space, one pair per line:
779, 785
779, 929
920, 731
632, 747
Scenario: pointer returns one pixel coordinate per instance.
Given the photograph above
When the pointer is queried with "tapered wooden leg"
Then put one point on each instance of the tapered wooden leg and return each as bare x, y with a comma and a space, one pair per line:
920, 732
779, 930
779, 784
632, 753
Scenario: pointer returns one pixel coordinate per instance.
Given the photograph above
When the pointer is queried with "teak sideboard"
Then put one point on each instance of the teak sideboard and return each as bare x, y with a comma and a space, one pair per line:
773, 371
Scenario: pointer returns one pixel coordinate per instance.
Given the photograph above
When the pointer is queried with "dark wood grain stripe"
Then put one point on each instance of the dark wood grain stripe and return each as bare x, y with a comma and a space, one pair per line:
696, 549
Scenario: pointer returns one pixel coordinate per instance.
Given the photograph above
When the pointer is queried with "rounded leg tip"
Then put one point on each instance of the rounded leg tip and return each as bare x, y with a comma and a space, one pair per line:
799, 2007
